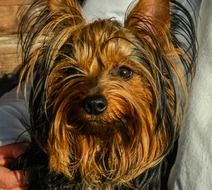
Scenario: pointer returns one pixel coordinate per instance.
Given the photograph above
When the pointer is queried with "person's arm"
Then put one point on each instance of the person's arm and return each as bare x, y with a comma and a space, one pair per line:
14, 123
14, 118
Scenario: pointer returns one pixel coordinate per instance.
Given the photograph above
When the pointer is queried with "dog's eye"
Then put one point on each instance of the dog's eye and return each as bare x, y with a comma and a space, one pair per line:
125, 73
71, 71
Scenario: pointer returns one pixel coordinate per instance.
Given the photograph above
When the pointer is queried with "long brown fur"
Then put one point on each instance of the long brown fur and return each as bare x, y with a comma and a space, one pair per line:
139, 68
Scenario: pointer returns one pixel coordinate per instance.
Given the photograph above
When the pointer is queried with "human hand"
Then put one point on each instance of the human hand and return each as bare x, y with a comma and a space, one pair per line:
11, 179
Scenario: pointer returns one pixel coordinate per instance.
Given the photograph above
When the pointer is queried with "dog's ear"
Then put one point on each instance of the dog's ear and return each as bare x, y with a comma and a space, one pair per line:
47, 24
65, 6
68, 10
149, 15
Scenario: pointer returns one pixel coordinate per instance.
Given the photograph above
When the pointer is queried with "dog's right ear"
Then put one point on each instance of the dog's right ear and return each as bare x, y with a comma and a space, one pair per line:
70, 9
47, 24
64, 6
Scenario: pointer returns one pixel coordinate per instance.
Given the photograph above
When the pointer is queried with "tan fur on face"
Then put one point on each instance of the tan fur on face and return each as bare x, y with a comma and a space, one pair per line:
130, 144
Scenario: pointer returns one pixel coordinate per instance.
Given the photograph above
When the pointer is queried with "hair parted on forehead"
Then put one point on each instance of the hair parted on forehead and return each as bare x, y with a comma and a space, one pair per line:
143, 69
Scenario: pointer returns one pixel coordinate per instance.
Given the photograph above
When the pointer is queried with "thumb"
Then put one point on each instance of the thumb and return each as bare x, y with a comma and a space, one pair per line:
11, 151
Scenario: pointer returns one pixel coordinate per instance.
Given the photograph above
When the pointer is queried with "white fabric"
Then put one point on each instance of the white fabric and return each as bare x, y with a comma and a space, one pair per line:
193, 167
106, 9
14, 118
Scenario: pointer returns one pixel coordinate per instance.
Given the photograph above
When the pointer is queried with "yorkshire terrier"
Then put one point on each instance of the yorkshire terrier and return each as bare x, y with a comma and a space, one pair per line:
107, 99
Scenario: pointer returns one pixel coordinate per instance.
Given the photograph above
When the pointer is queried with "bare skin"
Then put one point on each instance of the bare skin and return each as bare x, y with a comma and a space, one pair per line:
11, 180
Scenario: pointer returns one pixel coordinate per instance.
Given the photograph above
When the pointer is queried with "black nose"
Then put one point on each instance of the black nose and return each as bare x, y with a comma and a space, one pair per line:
95, 105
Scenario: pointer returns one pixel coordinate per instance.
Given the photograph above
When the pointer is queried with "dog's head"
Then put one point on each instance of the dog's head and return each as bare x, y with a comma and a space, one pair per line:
106, 99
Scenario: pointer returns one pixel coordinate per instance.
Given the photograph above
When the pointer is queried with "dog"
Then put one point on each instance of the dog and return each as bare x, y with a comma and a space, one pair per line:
106, 100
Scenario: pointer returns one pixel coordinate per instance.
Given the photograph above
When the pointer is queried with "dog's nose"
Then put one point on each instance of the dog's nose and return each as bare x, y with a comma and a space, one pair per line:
95, 105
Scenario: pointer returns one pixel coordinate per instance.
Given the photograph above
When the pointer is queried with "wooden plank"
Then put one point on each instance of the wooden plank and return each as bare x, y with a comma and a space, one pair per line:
9, 56
9, 63
9, 59
14, 2
8, 44
9, 19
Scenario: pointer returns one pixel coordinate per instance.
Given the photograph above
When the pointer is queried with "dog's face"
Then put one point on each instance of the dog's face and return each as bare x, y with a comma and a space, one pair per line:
108, 93
104, 99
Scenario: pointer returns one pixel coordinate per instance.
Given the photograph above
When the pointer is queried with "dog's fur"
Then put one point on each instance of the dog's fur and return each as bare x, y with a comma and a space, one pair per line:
106, 100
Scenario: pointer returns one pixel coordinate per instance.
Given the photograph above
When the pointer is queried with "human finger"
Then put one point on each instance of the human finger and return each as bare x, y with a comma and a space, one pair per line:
12, 150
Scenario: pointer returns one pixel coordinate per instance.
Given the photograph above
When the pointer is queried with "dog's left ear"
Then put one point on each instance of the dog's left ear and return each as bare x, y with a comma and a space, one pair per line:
150, 15
67, 9
58, 5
